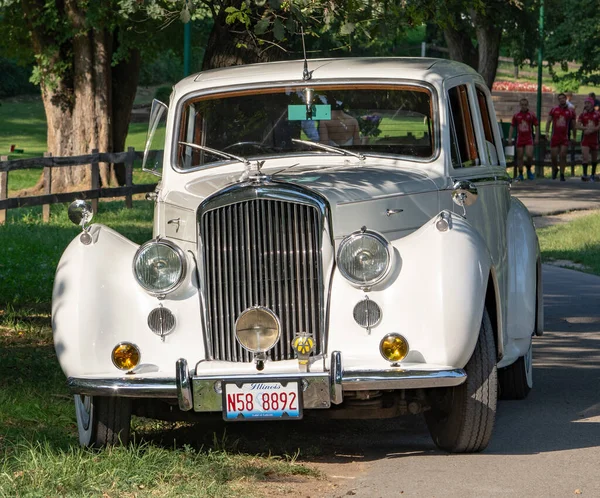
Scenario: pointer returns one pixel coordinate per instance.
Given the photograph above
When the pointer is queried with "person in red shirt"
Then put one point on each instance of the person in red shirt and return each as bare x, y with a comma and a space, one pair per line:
589, 124
524, 121
560, 117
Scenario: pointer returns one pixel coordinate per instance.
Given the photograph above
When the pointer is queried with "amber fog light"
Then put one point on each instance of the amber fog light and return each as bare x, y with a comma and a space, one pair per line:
394, 347
257, 329
126, 356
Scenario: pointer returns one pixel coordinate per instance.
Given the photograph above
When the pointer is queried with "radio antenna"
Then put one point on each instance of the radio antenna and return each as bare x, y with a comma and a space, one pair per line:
306, 75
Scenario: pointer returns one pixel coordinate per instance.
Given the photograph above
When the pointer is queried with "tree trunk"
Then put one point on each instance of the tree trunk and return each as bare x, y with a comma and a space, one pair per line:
460, 46
488, 48
231, 45
80, 110
125, 77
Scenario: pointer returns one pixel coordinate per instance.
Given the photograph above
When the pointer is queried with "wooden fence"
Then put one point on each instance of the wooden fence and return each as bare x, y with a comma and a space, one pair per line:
95, 192
128, 158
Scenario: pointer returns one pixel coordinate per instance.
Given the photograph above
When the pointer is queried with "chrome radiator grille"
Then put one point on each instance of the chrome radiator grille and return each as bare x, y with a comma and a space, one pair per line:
262, 252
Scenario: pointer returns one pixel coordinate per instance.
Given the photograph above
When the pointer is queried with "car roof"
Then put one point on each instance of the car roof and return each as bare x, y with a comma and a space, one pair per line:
324, 70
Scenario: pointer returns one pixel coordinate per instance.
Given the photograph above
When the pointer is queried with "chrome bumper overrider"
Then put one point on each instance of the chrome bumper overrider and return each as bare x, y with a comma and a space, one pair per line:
320, 389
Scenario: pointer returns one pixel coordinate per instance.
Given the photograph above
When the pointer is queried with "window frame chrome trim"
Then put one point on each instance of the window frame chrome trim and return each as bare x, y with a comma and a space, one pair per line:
326, 82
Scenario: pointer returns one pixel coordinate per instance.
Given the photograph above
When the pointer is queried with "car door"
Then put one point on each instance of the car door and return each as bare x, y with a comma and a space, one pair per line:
476, 168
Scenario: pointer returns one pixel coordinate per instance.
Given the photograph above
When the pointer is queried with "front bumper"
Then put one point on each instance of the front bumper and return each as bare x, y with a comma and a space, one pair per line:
320, 389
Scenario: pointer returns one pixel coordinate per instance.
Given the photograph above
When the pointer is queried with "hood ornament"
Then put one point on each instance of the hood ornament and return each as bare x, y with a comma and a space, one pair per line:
256, 175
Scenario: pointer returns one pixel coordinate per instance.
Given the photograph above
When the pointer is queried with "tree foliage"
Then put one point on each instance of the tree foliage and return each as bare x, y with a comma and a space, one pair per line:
573, 35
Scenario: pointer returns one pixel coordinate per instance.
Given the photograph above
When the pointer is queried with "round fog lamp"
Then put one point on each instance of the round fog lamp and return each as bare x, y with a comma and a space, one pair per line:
125, 356
257, 329
394, 347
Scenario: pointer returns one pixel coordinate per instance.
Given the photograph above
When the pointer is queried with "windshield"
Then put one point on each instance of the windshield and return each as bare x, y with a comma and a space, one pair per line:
263, 122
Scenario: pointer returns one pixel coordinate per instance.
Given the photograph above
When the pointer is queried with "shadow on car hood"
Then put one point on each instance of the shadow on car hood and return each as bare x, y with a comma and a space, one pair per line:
339, 184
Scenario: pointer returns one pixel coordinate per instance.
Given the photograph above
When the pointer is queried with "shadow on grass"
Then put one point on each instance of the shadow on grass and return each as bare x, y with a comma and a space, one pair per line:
32, 249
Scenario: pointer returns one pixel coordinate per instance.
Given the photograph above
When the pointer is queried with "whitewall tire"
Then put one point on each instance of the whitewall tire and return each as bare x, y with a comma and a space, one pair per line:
516, 380
102, 421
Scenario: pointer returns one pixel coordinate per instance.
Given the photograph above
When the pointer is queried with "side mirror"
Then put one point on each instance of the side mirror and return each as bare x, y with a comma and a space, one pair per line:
80, 213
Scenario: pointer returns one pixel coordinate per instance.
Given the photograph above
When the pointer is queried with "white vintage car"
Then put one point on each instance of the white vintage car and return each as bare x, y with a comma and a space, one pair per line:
332, 238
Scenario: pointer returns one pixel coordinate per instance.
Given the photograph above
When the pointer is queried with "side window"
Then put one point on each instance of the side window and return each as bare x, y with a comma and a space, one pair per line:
464, 148
488, 125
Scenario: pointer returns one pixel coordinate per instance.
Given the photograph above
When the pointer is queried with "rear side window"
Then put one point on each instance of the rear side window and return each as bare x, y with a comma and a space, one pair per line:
464, 142
488, 125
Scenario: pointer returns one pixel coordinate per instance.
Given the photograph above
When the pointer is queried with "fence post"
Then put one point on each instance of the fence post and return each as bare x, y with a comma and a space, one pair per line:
3, 190
129, 175
95, 180
47, 189
541, 157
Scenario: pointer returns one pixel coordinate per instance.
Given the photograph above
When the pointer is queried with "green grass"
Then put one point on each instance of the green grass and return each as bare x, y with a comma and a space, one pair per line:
23, 124
31, 249
39, 452
577, 241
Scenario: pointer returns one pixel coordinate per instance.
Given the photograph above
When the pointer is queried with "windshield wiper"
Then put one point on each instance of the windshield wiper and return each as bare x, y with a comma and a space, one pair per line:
216, 152
330, 148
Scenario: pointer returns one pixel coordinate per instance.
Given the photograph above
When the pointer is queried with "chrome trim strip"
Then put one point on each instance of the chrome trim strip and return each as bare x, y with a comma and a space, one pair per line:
208, 91
483, 179
401, 379
259, 377
184, 387
130, 387
336, 391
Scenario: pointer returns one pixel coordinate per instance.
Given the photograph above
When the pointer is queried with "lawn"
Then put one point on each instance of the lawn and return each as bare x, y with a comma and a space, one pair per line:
23, 124
577, 241
39, 453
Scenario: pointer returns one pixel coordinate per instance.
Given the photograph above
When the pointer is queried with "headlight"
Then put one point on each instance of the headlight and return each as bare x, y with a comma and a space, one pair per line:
159, 266
257, 329
364, 258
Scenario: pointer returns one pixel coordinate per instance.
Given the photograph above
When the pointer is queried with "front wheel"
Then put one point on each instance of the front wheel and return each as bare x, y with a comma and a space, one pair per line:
461, 418
516, 380
102, 421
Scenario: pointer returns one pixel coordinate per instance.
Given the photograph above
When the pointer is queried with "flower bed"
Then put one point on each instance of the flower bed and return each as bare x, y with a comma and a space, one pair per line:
519, 86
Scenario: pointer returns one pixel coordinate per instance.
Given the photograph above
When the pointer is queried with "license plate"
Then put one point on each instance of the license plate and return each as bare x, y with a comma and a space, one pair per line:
262, 400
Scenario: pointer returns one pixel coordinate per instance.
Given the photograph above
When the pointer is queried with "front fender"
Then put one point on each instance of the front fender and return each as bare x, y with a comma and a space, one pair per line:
97, 303
434, 298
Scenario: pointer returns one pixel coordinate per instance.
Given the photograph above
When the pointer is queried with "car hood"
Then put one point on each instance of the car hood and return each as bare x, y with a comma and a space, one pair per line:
341, 184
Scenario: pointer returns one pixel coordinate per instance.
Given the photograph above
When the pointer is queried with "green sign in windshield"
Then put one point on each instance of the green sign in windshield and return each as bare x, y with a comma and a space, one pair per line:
298, 112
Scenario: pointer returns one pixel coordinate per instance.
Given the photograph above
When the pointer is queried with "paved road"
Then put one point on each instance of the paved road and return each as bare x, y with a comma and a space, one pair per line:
545, 446
545, 197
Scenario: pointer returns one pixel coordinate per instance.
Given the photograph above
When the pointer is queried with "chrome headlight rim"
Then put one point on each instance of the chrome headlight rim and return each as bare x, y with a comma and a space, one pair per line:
351, 238
182, 260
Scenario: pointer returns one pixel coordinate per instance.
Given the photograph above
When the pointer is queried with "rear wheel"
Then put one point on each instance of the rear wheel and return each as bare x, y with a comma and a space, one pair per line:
461, 418
516, 380
103, 421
